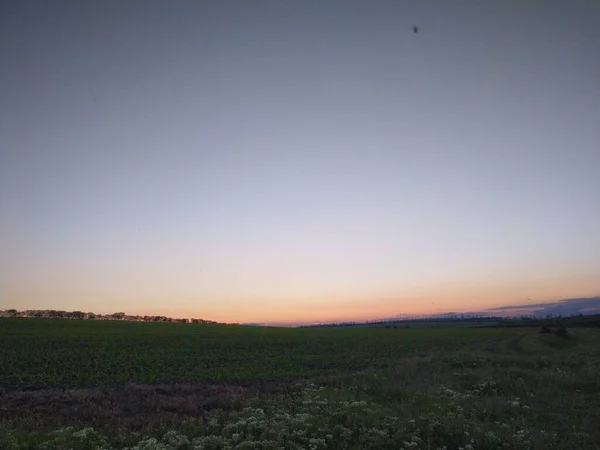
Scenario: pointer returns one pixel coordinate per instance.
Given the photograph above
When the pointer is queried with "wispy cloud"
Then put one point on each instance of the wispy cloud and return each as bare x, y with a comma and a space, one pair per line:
526, 306
565, 307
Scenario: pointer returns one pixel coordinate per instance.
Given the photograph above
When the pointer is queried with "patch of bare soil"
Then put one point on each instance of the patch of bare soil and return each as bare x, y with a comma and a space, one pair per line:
132, 406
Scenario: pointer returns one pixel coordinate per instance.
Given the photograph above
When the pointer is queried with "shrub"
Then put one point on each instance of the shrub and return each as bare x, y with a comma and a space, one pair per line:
545, 329
561, 332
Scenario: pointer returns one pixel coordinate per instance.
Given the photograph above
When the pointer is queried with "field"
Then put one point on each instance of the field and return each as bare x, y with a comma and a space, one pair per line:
70, 384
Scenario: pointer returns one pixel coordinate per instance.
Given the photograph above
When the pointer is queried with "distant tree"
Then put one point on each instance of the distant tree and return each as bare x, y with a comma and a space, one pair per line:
77, 315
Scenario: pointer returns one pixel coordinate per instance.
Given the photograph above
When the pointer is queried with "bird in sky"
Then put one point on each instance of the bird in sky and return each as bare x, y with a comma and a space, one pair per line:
415, 29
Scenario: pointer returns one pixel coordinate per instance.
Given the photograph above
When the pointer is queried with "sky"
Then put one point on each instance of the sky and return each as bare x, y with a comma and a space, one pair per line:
297, 161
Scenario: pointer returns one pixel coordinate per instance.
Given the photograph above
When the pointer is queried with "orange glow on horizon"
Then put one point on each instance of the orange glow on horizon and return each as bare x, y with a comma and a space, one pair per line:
362, 308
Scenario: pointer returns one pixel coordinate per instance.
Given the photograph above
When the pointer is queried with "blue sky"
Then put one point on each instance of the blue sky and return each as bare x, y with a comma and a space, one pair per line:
282, 161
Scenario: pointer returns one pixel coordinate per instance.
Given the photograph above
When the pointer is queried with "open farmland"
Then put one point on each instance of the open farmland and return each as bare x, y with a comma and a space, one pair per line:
70, 353
115, 385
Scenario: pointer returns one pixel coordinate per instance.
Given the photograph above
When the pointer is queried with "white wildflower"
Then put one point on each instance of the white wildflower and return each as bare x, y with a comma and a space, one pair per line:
83, 433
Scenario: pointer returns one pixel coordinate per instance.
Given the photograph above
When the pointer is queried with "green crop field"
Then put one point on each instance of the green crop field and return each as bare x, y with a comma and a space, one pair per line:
71, 353
74, 384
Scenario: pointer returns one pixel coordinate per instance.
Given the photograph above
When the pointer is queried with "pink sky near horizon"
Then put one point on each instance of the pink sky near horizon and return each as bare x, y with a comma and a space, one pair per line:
424, 301
308, 308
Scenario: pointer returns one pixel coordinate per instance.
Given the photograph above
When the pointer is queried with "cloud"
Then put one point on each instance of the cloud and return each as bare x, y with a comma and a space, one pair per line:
527, 306
566, 307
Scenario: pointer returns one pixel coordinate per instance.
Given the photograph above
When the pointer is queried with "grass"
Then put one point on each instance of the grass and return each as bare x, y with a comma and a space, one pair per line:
111, 385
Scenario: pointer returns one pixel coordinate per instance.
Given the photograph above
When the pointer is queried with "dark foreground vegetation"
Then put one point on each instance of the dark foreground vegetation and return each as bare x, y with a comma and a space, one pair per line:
68, 384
